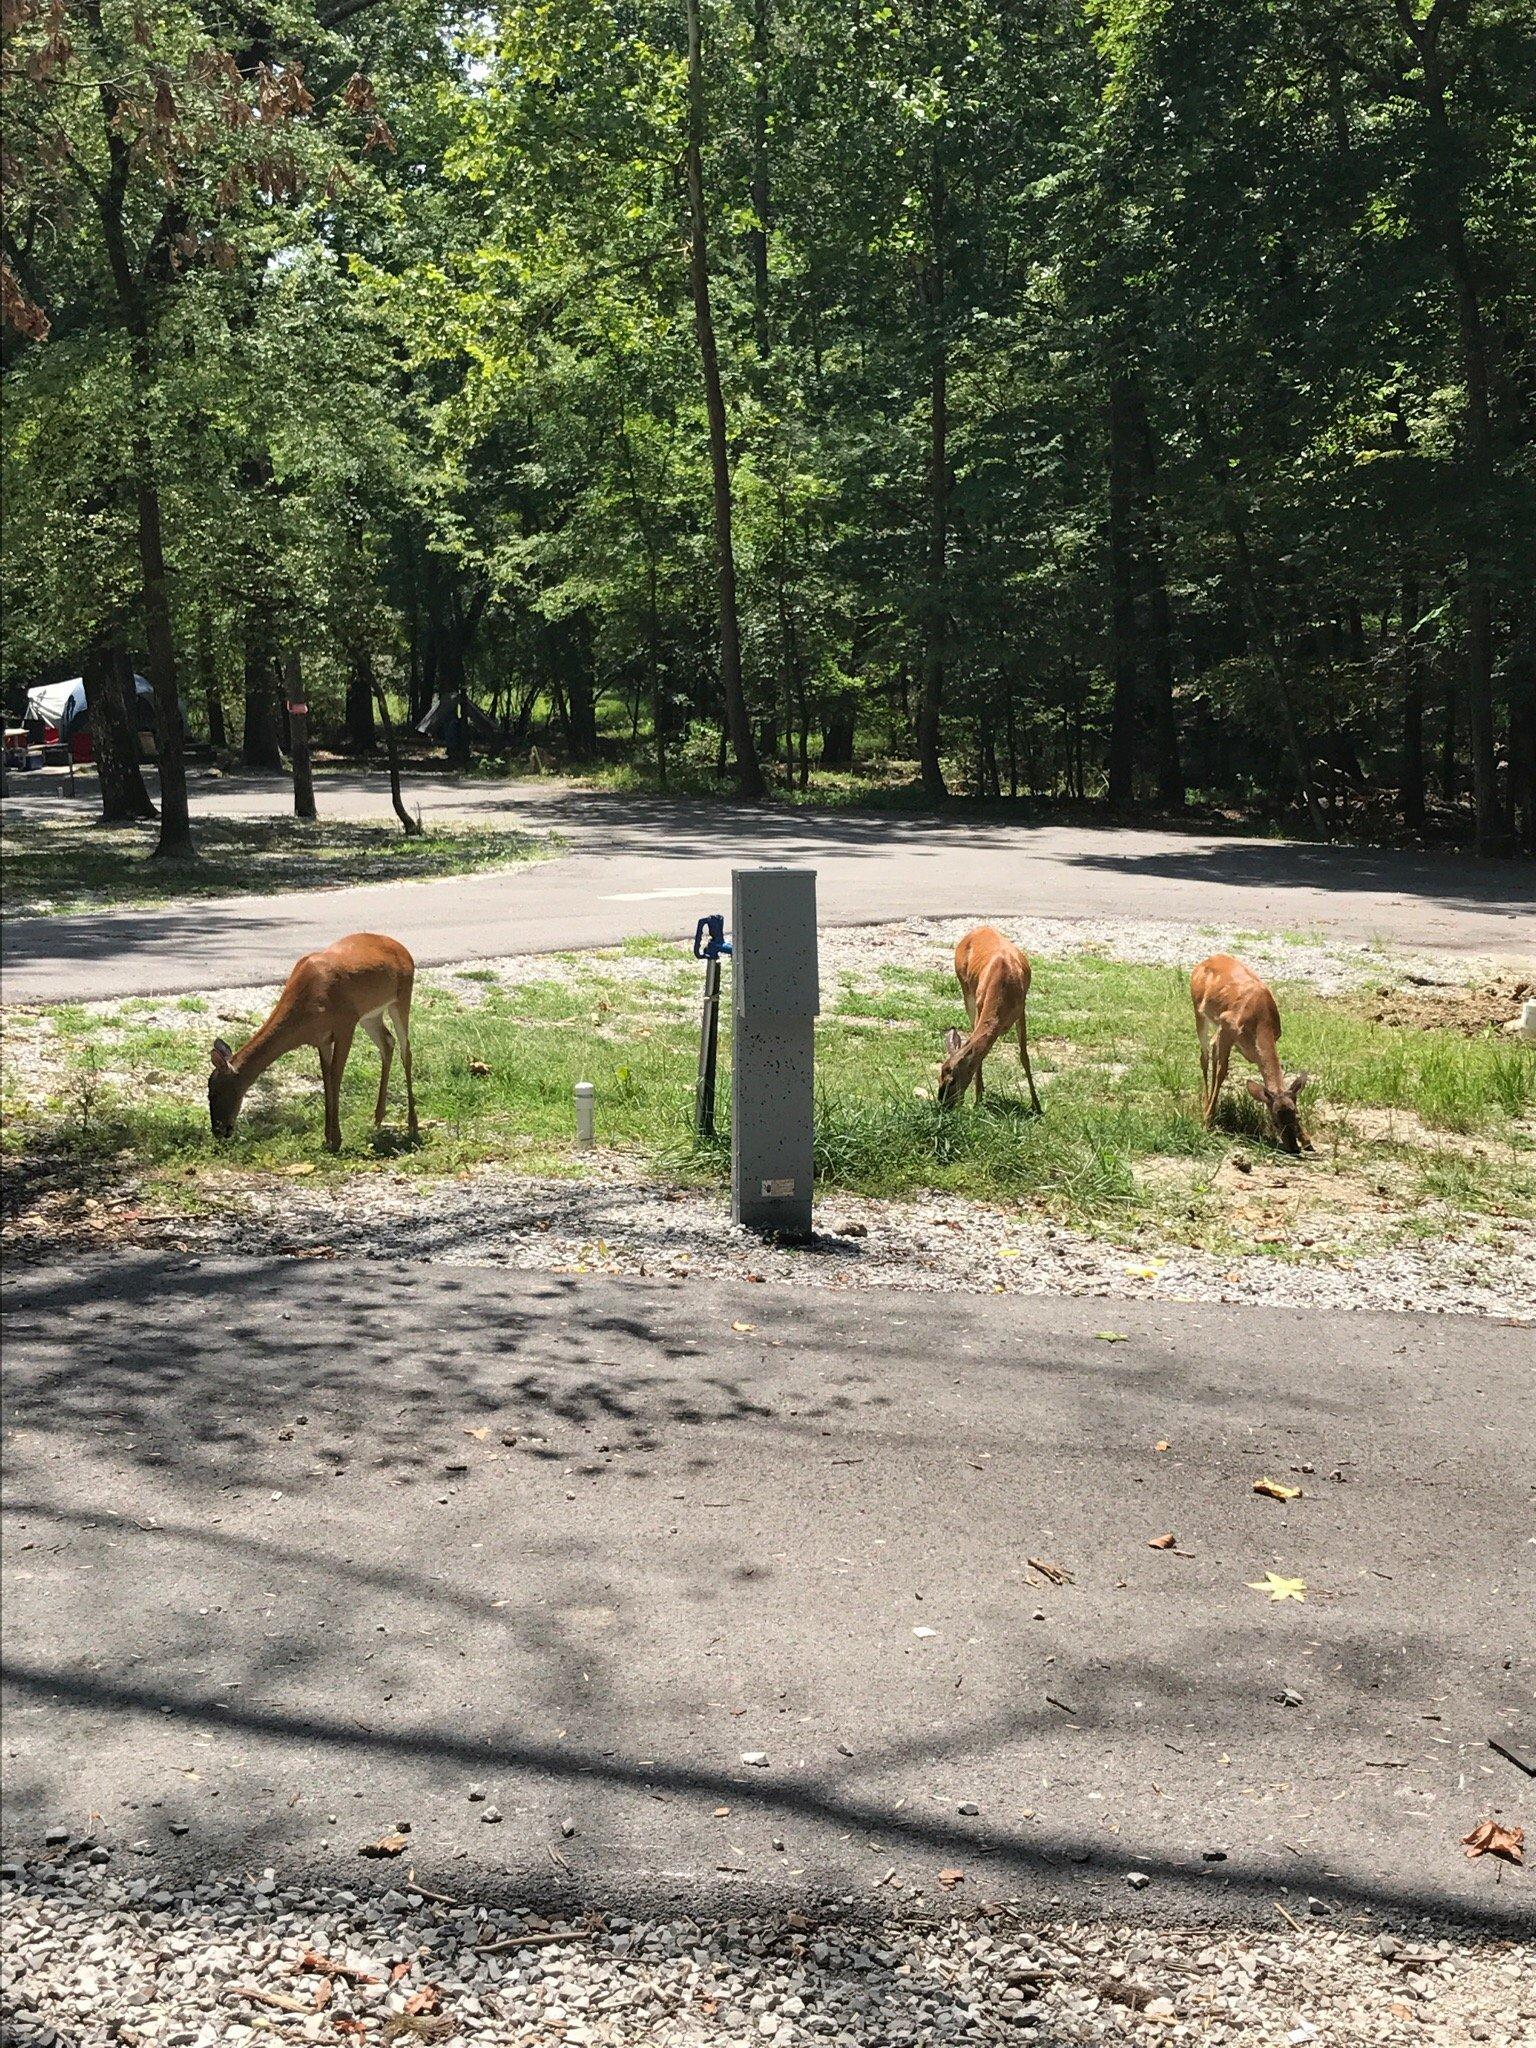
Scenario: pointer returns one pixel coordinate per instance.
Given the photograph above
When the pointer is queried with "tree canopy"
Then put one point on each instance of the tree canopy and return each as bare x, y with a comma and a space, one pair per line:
1121, 398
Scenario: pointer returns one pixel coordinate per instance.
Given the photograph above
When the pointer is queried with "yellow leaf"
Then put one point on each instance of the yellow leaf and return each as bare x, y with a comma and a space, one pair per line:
1278, 1588
305, 1166
479, 1434
745, 1328
1008, 1252
1112, 1336
1275, 1490
1143, 1272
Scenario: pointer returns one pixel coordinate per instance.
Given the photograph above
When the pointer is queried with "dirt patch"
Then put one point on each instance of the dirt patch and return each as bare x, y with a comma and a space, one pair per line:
1421, 1006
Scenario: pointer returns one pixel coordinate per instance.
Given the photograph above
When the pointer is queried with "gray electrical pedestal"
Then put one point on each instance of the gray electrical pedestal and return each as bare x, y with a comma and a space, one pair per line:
777, 997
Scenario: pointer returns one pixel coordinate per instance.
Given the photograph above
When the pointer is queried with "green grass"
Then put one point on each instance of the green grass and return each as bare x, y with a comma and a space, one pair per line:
50, 866
1121, 1144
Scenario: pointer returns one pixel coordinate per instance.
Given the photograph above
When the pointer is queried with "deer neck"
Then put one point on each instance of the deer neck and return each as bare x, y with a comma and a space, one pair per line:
279, 1035
1267, 1060
982, 1039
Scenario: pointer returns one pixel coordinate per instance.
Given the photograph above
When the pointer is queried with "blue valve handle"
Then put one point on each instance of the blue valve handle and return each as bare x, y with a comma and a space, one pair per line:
709, 940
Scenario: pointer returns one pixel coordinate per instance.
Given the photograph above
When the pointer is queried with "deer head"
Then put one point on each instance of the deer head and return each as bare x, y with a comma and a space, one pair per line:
1283, 1114
955, 1070
226, 1091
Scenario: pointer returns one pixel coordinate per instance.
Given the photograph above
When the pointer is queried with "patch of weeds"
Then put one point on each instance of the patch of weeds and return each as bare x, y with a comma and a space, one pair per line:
1120, 1146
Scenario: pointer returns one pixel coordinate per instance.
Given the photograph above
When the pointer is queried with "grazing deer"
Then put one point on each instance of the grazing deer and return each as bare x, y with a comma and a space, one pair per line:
1235, 1008
994, 979
364, 980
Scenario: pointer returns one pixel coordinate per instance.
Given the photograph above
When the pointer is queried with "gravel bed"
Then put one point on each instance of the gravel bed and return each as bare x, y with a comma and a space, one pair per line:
619, 1222
94, 1957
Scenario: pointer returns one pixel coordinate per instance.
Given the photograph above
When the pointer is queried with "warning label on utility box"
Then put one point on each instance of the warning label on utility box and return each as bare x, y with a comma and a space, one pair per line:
772, 1189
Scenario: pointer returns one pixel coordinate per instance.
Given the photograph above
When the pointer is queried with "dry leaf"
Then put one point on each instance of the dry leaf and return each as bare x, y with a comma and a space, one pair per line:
386, 1845
1278, 1588
479, 1067
480, 1434
1161, 1444
328, 1967
1492, 1838
428, 1999
1162, 1542
950, 1878
344, 2023
1275, 1490
1112, 1336
746, 1329
1056, 1573
304, 1166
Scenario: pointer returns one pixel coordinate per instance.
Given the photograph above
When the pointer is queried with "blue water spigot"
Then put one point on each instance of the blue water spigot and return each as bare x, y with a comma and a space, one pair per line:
709, 940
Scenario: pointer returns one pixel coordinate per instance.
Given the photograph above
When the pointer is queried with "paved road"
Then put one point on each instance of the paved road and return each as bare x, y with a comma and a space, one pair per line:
638, 865
295, 1551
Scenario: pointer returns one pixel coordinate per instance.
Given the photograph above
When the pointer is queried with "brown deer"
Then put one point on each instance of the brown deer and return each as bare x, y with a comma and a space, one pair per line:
994, 979
1234, 1008
363, 980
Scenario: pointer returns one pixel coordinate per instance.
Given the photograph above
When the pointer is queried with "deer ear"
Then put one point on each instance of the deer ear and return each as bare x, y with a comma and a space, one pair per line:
1300, 1081
1258, 1091
221, 1053
952, 1042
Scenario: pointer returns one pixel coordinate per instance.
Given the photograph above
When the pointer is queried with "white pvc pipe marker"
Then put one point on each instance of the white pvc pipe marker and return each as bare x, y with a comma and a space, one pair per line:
585, 1093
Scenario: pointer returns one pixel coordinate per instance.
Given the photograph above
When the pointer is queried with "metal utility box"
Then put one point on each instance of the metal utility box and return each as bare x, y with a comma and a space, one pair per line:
777, 997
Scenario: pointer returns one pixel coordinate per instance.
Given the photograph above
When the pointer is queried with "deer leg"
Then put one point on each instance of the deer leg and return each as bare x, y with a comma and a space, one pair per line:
341, 1045
402, 1021
1034, 1098
378, 1031
1205, 1065
1219, 1062
327, 1052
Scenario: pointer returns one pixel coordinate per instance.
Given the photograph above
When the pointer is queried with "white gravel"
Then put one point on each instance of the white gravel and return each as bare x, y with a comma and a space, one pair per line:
620, 1222
96, 1954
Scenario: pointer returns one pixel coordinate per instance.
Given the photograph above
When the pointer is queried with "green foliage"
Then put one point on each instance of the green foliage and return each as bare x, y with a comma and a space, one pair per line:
421, 380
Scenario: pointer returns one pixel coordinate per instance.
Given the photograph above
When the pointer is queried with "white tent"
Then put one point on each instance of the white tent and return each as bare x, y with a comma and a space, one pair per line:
62, 705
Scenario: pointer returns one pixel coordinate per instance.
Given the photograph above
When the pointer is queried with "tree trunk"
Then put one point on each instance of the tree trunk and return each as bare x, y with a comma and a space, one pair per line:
360, 691
1123, 721
1152, 579
930, 706
208, 678
298, 730
115, 733
409, 826
758, 237
580, 695
1412, 777
260, 746
749, 774
175, 818
1445, 186
1522, 736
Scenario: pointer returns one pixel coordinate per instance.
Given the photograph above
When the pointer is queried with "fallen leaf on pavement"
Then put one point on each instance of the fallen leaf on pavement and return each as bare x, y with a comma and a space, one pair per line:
1275, 1490
1162, 1542
1048, 1569
950, 1878
1112, 1336
480, 1434
925, 1631
745, 1328
1278, 1588
1161, 1444
386, 1845
1492, 1838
